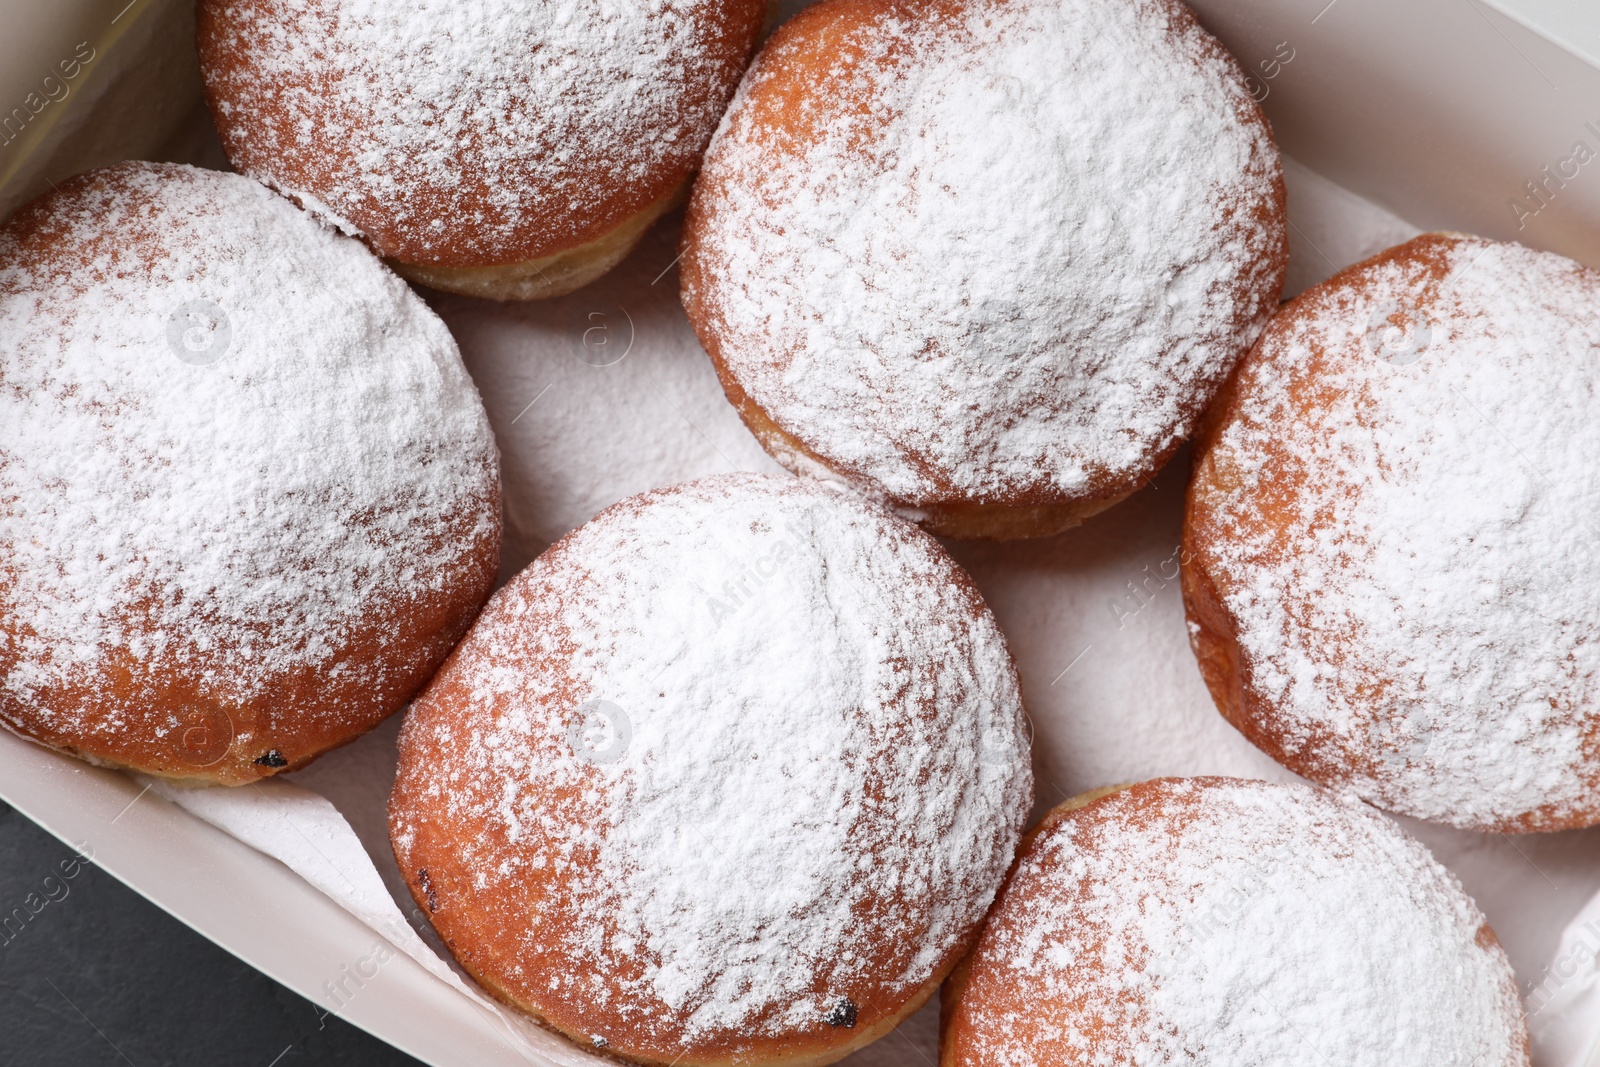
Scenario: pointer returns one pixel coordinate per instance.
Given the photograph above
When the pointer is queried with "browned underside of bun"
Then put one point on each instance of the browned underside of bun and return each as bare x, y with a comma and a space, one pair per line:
1016, 515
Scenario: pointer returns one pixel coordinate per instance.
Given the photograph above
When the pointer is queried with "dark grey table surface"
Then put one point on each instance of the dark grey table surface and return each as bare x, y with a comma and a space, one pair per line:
91, 973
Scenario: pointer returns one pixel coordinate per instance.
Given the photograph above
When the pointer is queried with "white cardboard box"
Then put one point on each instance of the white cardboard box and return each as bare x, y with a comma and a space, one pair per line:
1447, 113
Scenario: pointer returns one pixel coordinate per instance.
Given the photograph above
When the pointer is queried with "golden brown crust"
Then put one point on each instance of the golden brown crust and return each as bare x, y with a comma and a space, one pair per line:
485, 937
550, 276
951, 1024
466, 938
168, 719
956, 984
1020, 514
982, 993
390, 658
1309, 749
799, 67
284, 118
443, 797
1213, 632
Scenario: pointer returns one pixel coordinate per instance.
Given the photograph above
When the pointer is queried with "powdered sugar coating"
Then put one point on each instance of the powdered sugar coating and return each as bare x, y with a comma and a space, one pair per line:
471, 132
1397, 517
224, 514
996, 249
807, 785
1219, 920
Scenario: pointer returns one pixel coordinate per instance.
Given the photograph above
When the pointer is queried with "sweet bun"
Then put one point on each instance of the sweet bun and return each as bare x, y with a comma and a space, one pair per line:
509, 151
729, 775
1389, 563
1220, 920
248, 495
986, 260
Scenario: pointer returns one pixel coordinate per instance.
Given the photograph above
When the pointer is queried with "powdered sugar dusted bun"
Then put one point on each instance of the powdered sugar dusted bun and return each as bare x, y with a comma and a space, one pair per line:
1220, 920
1389, 548
248, 496
728, 775
500, 150
987, 259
